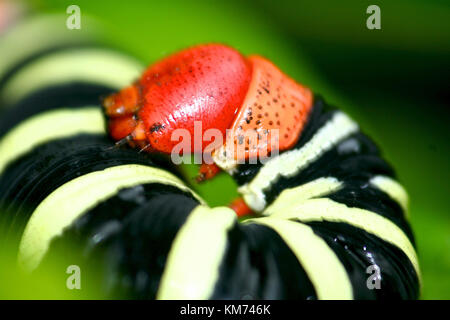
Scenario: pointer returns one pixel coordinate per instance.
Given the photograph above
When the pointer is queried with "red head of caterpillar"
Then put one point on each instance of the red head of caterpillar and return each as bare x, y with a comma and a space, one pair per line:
218, 86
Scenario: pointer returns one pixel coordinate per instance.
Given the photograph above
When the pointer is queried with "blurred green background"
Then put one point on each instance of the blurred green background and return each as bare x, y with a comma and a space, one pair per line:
394, 81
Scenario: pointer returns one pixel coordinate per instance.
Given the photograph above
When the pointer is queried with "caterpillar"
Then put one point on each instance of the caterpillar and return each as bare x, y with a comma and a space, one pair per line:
248, 97
330, 206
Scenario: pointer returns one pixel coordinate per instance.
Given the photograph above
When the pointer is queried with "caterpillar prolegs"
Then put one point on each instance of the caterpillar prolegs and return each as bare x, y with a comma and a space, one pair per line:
330, 206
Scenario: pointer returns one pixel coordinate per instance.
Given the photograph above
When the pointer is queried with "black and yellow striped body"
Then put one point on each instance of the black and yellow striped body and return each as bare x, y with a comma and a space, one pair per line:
329, 208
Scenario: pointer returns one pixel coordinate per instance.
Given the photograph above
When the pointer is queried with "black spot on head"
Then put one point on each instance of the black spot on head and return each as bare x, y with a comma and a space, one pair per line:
156, 127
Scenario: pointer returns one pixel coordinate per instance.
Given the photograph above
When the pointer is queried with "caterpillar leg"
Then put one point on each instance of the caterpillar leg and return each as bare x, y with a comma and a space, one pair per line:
207, 171
240, 207
122, 103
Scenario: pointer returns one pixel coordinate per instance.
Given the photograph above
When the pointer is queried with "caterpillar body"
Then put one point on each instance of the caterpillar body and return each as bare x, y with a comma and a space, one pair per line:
330, 206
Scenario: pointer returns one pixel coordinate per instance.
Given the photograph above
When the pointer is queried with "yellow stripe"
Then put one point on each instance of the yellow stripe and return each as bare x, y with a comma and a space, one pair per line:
329, 210
319, 261
314, 189
393, 189
193, 262
292, 162
48, 126
69, 201
88, 65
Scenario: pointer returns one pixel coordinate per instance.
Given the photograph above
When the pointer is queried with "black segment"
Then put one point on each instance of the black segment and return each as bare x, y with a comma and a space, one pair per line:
126, 200
357, 194
259, 265
69, 95
357, 250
